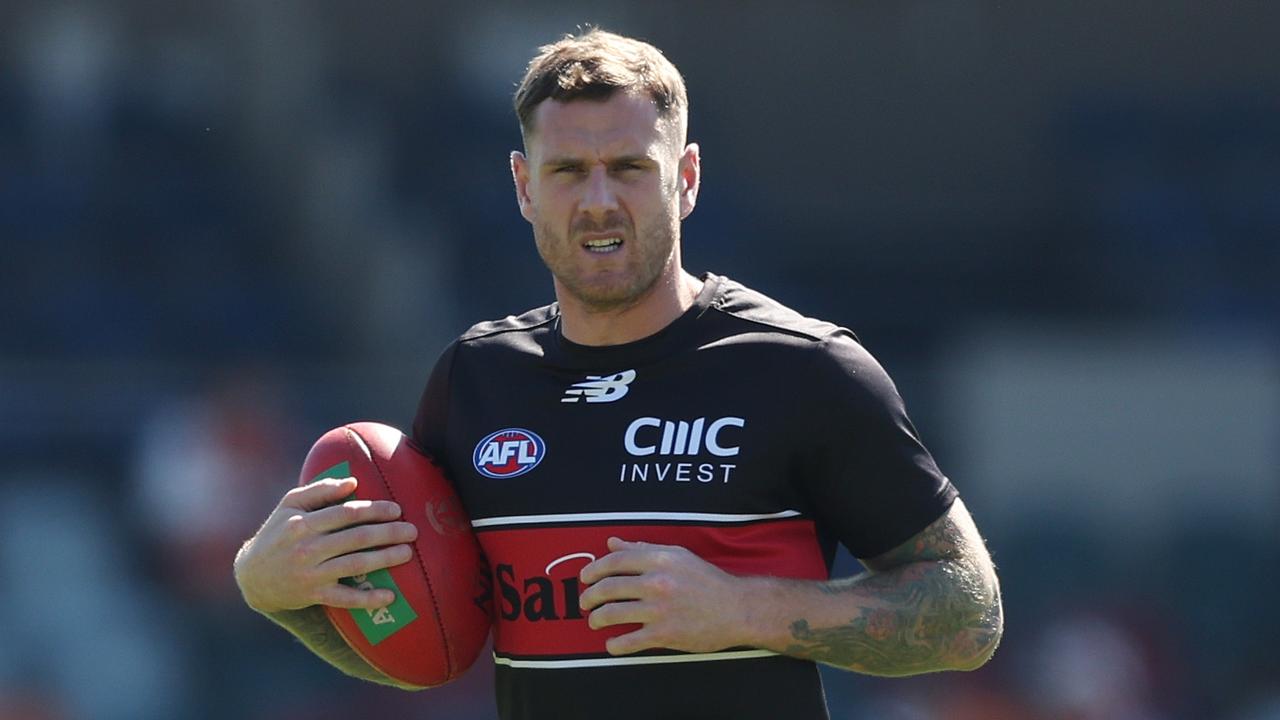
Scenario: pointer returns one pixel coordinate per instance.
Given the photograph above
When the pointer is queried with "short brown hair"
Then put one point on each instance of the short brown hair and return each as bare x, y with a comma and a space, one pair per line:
594, 65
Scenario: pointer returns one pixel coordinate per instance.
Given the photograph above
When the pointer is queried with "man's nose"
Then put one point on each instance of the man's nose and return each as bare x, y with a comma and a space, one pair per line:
599, 197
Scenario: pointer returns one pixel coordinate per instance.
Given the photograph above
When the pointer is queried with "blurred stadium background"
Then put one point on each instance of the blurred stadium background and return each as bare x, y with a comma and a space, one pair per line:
229, 226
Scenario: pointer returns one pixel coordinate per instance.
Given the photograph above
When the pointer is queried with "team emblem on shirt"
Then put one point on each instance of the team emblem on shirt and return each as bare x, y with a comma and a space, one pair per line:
600, 388
508, 453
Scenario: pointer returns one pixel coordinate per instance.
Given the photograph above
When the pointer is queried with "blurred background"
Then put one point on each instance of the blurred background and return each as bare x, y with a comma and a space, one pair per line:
227, 227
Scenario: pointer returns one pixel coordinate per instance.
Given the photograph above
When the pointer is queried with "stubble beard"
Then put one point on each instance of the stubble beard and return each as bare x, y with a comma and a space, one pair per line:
648, 258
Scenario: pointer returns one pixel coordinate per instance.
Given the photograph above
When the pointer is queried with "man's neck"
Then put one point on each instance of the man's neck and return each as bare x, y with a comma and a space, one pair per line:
656, 309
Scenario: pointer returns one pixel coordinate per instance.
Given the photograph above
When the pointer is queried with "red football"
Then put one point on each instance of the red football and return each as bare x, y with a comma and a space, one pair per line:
439, 622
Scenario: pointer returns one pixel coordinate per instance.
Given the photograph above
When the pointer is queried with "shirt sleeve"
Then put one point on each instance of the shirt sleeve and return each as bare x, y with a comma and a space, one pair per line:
431, 420
867, 473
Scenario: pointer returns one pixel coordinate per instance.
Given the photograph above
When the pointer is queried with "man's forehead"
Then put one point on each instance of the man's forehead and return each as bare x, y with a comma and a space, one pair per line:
624, 122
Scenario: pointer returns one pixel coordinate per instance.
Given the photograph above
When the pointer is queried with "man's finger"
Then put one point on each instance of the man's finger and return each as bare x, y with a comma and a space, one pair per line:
342, 596
363, 563
616, 543
612, 589
632, 642
352, 512
364, 537
620, 613
620, 562
319, 494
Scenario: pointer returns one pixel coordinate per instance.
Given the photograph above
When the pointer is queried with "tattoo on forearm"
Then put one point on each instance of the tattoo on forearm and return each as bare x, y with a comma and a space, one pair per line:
926, 615
312, 627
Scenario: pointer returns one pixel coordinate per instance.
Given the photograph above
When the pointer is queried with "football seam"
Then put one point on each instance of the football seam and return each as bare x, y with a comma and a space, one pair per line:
444, 636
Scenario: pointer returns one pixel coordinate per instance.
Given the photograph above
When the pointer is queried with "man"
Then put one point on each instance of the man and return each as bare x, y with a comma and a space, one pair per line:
658, 466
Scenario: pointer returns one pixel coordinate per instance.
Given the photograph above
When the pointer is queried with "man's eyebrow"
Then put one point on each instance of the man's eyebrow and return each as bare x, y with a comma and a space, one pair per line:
567, 161
632, 159
558, 161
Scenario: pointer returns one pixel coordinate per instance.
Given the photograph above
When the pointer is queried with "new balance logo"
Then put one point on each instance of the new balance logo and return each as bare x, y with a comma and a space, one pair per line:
600, 389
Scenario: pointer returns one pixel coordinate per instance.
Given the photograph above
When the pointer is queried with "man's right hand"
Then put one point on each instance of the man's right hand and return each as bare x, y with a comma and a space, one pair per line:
312, 539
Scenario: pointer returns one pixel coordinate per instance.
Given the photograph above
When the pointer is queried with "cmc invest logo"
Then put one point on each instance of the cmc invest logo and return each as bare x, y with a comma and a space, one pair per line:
508, 453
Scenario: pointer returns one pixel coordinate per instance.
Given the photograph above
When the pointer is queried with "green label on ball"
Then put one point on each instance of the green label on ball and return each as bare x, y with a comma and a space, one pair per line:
381, 623
341, 470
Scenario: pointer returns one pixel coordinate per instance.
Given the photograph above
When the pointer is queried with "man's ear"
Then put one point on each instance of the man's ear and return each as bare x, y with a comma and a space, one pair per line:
688, 179
520, 174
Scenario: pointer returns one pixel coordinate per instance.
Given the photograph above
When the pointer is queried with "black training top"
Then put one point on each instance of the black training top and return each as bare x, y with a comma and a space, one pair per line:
751, 435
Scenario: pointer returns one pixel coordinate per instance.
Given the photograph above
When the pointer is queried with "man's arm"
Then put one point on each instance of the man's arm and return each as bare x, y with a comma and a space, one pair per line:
312, 627
931, 604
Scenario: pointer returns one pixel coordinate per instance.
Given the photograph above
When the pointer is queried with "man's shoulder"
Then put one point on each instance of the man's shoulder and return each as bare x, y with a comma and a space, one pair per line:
766, 315
515, 336
540, 319
820, 351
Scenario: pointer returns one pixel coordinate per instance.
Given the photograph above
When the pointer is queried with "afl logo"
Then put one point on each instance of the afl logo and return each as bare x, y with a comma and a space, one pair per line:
508, 453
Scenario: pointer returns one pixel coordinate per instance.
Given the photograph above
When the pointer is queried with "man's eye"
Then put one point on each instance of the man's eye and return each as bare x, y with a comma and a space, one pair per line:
567, 169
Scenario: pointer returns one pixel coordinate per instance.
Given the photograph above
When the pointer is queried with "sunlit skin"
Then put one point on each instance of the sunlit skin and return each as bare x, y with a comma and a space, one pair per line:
597, 170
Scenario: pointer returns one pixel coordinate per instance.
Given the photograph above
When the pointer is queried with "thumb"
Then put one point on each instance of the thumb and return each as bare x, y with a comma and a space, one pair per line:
319, 494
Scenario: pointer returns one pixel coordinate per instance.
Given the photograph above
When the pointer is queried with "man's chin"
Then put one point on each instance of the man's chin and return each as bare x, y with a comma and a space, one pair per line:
605, 295
603, 302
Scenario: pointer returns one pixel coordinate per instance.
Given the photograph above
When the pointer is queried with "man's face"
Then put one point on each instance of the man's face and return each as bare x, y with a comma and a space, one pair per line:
605, 186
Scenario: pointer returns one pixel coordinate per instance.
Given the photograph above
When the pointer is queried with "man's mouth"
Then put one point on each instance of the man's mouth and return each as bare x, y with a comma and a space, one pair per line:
603, 245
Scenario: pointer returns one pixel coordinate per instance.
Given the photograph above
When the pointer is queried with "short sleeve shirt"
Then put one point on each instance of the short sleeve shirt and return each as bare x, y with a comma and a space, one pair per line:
754, 436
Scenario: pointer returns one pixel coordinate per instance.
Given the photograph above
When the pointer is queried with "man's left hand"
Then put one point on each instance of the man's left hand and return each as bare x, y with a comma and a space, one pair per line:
682, 601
